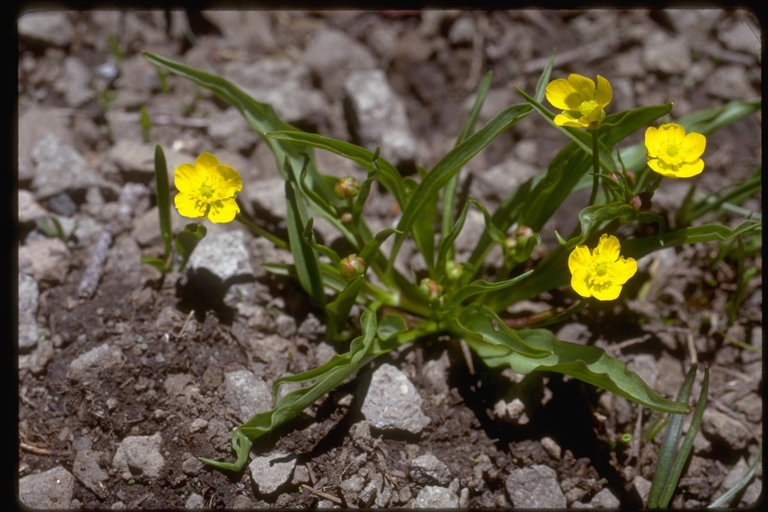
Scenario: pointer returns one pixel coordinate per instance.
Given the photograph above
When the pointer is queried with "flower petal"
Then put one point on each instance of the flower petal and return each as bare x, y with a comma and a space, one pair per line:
652, 142
607, 249
604, 92
584, 86
694, 145
188, 206
688, 169
186, 178
623, 269
608, 292
580, 258
230, 182
579, 282
223, 211
562, 95
662, 168
207, 161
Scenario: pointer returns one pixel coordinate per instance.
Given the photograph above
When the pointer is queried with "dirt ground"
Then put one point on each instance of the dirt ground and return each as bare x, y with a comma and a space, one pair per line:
169, 348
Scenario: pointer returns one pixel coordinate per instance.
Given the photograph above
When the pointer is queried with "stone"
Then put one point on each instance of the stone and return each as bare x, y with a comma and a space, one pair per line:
50, 489
718, 425
88, 471
435, 498
535, 487
49, 258
87, 367
75, 82
666, 54
195, 502
139, 457
60, 168
332, 55
393, 403
230, 129
135, 160
50, 28
29, 209
428, 469
377, 116
246, 394
462, 31
730, 83
270, 472
605, 499
28, 297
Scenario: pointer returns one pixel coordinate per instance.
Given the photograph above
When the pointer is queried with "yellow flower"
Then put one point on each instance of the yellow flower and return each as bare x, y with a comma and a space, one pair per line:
581, 102
674, 154
602, 272
207, 189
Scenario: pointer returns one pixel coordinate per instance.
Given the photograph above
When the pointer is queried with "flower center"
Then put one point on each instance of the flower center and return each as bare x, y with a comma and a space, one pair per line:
601, 269
587, 106
206, 191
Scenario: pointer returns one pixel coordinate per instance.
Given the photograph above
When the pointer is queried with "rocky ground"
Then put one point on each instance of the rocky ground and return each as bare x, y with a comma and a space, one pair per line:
121, 392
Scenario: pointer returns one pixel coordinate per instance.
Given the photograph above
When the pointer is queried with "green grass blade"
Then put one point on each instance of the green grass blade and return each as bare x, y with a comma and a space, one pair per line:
163, 202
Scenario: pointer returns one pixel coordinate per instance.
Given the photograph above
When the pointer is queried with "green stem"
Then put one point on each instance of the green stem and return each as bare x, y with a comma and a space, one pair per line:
595, 167
261, 232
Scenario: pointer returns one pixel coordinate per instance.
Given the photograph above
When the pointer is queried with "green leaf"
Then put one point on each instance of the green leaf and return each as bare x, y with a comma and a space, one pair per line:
591, 216
390, 177
390, 325
445, 249
338, 310
304, 257
450, 164
309, 237
158, 263
616, 127
526, 351
326, 377
546, 74
187, 240
373, 244
709, 121
478, 287
163, 201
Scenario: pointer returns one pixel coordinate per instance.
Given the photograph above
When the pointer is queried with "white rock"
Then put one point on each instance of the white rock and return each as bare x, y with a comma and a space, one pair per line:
270, 472
50, 489
392, 402
139, 457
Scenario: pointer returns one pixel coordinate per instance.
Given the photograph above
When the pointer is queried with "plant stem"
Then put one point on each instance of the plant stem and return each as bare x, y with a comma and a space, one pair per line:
261, 232
595, 167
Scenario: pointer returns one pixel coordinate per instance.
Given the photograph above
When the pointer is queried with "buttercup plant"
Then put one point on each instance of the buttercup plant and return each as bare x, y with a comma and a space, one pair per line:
451, 297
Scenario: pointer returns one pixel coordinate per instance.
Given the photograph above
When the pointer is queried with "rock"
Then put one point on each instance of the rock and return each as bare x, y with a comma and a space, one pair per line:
49, 28
643, 488
62, 204
730, 83
40, 358
191, 465
29, 209
60, 168
740, 38
246, 394
125, 260
139, 457
718, 425
392, 402
50, 489
605, 499
268, 199
34, 124
88, 470
377, 117
535, 487
282, 83
332, 55
428, 469
249, 30
270, 472
28, 328
230, 129
75, 82
285, 325
667, 55
146, 228
195, 501
312, 329
645, 366
87, 367
351, 488
551, 447
499, 181
135, 160
435, 498
49, 258
462, 31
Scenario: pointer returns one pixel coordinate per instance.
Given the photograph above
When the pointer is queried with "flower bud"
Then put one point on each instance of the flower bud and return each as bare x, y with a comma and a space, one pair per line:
431, 289
352, 266
453, 270
346, 188
523, 232
346, 218
641, 202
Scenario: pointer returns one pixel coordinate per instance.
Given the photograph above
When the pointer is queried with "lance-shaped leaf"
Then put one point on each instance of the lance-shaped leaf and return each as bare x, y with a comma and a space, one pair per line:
445, 249
325, 377
478, 287
338, 310
498, 345
390, 325
163, 201
591, 216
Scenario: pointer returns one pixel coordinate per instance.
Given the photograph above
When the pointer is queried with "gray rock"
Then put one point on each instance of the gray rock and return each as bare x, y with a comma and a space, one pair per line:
146, 228
132, 201
351, 488
249, 30
191, 465
719, 425
311, 328
499, 181
643, 488
246, 394
230, 129
28, 328
194, 502
645, 366
392, 402
34, 124
333, 55
62, 204
75, 82
282, 83
535, 487
377, 116
139, 457
665, 54
285, 325
29, 209
51, 28
42, 355
740, 38
125, 259
219, 262
730, 83
268, 198
49, 258
462, 31
270, 472
60, 168
551, 447
605, 499
88, 470
50, 489
134, 159
428, 469
88, 366
435, 498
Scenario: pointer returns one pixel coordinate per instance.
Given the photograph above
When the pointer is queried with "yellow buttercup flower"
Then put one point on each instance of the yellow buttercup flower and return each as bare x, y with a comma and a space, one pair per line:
581, 102
602, 272
207, 189
674, 154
